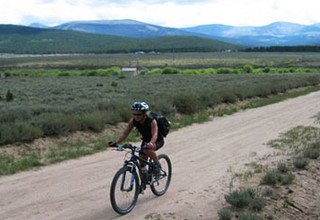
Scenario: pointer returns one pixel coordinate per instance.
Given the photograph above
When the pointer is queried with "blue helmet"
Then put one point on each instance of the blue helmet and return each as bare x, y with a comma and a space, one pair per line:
141, 106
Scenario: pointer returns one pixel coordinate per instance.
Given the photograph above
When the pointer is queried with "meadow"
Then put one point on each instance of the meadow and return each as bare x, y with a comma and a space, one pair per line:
57, 95
152, 60
39, 106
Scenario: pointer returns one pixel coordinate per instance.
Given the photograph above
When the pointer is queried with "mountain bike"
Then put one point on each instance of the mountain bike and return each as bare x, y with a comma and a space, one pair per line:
130, 180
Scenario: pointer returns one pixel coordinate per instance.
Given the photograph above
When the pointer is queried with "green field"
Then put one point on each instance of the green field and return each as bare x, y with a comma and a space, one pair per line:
183, 60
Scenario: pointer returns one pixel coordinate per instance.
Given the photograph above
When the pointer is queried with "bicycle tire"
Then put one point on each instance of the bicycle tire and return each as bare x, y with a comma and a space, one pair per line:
166, 179
124, 175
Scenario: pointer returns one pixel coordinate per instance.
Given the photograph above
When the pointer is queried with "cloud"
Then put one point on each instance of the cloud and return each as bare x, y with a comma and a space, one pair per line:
178, 13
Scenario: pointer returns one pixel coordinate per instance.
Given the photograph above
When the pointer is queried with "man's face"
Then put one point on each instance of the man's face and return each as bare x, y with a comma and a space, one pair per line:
138, 115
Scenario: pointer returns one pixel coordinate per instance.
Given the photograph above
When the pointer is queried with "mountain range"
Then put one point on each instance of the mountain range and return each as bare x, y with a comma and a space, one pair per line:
118, 36
29, 40
275, 34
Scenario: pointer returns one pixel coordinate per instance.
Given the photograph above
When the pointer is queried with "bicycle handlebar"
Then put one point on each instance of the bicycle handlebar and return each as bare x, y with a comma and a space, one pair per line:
126, 146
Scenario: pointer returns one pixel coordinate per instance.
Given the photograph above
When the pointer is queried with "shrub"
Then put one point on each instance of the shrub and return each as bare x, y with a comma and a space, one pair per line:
300, 162
124, 115
113, 117
121, 76
224, 71
169, 70
313, 151
64, 73
229, 97
57, 123
271, 177
240, 198
94, 121
9, 96
316, 145
185, 104
267, 192
287, 178
247, 68
257, 203
209, 71
266, 70
156, 71
166, 108
92, 73
18, 131
292, 70
248, 216
282, 167
225, 213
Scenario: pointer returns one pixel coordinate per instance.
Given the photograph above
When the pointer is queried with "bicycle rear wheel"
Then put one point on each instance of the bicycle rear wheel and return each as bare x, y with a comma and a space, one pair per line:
162, 182
124, 190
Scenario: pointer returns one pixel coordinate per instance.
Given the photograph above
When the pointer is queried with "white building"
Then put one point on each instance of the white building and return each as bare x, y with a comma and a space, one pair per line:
129, 71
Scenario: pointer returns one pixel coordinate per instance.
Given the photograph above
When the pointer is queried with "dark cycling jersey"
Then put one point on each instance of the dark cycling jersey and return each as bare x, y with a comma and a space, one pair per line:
145, 130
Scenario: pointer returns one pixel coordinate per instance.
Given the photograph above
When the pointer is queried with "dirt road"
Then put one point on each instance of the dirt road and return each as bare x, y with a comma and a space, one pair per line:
202, 157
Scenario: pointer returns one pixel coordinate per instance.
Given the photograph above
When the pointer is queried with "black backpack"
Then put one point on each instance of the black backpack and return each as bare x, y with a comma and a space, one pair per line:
163, 123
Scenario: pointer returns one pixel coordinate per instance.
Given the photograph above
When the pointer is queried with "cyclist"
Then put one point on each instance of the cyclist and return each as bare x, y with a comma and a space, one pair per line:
148, 128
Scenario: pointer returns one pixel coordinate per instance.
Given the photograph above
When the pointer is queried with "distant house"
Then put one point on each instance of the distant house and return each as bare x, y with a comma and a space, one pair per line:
129, 71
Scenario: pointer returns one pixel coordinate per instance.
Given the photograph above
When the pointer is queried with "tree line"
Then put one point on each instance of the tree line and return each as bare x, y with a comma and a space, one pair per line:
306, 48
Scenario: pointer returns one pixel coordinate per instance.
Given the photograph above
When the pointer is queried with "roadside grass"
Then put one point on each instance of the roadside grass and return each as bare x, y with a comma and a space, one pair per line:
280, 97
10, 164
302, 145
297, 139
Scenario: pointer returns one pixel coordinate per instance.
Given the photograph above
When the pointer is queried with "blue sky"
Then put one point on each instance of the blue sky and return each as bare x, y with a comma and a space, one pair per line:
179, 13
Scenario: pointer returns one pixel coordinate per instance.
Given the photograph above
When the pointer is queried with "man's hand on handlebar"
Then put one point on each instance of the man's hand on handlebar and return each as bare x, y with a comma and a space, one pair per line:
112, 144
150, 146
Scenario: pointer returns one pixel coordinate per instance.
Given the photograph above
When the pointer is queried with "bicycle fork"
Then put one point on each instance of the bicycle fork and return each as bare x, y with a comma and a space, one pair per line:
123, 181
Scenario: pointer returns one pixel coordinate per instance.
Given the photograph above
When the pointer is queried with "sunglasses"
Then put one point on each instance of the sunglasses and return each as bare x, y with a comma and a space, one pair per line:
136, 114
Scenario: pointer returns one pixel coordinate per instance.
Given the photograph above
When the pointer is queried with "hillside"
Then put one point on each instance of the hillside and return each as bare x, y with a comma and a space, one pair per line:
274, 34
124, 28
28, 40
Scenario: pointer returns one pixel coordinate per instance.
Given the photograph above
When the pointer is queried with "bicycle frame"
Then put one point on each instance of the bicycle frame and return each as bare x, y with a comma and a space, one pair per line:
133, 162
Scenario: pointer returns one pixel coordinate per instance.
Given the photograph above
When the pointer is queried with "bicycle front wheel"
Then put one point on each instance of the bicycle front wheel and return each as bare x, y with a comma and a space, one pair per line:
161, 184
124, 190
